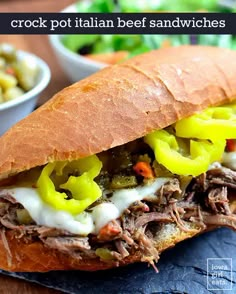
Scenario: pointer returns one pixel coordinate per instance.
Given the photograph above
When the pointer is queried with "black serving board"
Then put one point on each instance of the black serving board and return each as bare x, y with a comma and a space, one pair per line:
182, 269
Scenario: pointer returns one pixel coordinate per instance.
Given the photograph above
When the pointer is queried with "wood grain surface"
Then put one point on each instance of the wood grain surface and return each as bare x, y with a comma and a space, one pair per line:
10, 285
39, 45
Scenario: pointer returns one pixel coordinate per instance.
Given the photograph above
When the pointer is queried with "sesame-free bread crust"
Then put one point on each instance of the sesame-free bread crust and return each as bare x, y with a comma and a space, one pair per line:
119, 104
21, 255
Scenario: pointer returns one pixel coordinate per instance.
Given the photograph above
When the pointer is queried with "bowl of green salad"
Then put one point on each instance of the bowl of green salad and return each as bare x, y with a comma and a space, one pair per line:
82, 55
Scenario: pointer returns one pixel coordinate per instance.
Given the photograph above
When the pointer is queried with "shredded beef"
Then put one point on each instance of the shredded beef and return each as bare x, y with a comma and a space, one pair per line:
109, 232
167, 191
204, 202
43, 232
140, 206
177, 214
220, 177
8, 222
126, 236
147, 247
170, 188
217, 220
218, 201
120, 245
150, 217
68, 244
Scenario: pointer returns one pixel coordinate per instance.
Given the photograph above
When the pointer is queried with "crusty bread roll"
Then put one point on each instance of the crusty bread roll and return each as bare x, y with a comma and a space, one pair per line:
112, 107
120, 104
23, 256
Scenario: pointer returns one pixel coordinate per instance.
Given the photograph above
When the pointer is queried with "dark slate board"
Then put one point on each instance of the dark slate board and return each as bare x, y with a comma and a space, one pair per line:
183, 269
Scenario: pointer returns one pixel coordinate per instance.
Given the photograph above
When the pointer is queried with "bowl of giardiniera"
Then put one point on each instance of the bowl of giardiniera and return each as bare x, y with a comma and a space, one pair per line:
23, 76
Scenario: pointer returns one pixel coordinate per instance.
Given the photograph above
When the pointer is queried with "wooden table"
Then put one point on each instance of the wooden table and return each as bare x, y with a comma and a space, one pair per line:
38, 45
10, 285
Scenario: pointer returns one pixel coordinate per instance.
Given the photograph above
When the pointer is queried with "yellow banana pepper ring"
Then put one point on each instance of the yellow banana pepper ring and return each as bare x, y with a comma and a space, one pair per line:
202, 153
84, 190
214, 124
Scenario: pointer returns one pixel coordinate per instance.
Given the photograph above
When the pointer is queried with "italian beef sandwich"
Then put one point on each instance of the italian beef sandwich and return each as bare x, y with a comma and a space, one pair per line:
122, 165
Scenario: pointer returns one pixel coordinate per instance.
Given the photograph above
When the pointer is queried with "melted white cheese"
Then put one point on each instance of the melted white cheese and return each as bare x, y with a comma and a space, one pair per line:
86, 222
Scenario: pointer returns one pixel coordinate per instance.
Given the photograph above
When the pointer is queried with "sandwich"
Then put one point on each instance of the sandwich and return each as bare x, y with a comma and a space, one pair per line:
122, 165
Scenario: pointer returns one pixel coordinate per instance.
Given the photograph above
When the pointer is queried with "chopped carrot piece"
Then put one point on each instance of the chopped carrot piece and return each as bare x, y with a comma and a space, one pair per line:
10, 71
109, 231
231, 145
144, 169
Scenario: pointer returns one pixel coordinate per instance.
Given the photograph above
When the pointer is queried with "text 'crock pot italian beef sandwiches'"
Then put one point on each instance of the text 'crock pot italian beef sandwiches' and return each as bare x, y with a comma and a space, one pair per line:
123, 164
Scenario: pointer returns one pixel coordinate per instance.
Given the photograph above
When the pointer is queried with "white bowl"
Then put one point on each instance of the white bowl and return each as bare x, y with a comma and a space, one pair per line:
14, 110
74, 65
